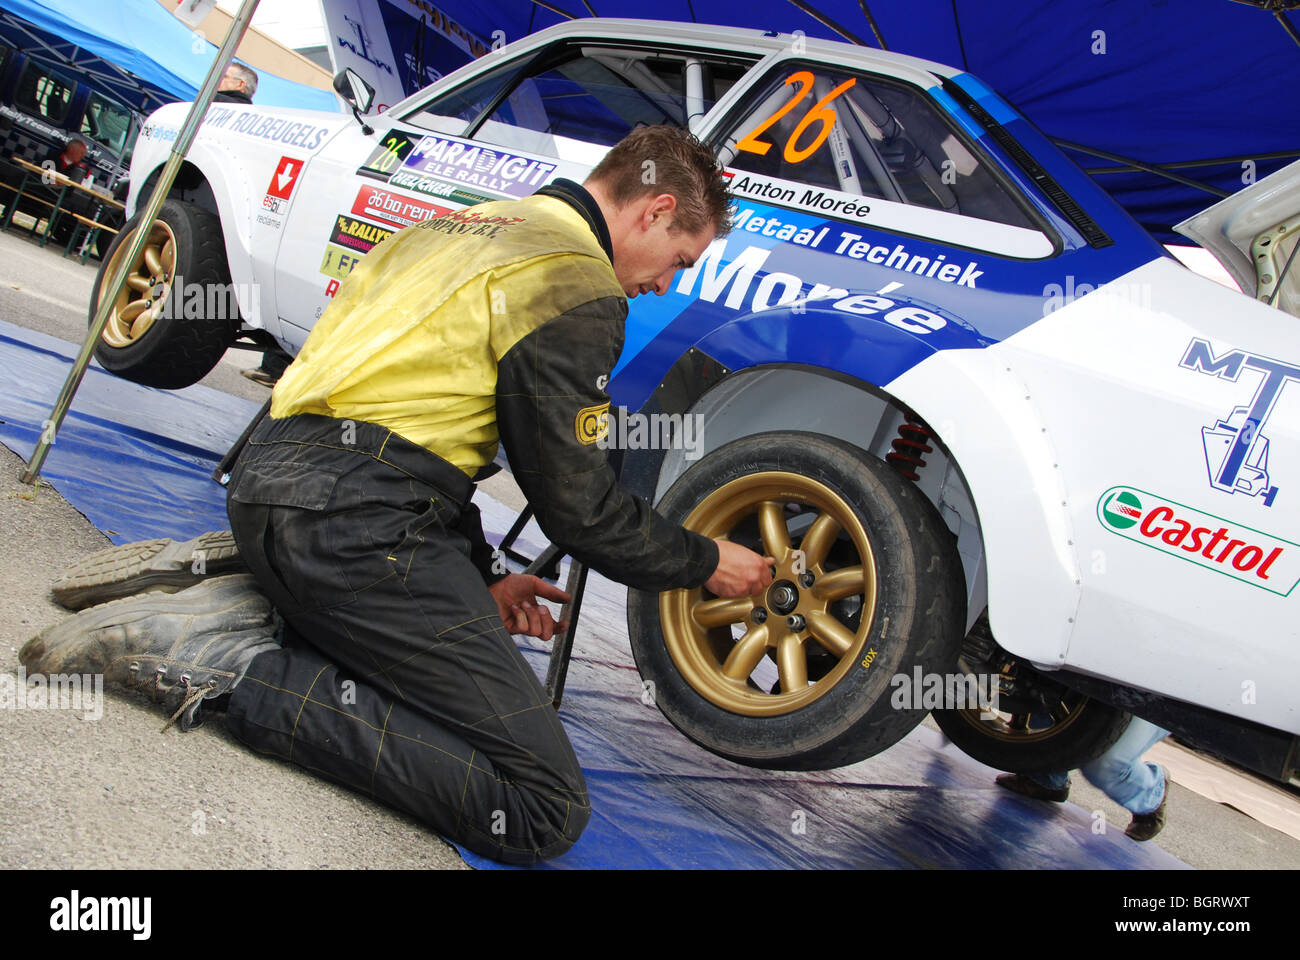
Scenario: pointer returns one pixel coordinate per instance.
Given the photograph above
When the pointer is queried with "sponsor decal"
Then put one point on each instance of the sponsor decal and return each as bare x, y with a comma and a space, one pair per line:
338, 262
846, 243
281, 186
294, 133
1236, 449
393, 208
152, 131
1234, 550
331, 288
471, 165
591, 425
731, 285
408, 180
267, 221
357, 234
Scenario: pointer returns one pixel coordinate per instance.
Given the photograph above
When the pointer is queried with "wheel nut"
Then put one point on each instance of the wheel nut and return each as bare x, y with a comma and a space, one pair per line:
795, 622
806, 580
759, 615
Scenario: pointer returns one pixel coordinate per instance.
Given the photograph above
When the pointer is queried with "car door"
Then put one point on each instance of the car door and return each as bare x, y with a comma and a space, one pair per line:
495, 131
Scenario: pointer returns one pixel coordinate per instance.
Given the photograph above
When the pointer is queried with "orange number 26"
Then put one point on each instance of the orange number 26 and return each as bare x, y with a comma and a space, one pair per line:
817, 113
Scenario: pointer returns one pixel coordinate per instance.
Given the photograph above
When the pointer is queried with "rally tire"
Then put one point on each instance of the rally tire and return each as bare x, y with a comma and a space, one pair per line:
157, 347
1037, 725
911, 596
1091, 729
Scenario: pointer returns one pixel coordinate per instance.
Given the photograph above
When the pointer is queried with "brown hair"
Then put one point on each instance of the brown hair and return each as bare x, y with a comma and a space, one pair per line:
665, 159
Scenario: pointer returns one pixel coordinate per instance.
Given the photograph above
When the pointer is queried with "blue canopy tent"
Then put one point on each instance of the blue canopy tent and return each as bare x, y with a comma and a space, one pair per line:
134, 50
1191, 87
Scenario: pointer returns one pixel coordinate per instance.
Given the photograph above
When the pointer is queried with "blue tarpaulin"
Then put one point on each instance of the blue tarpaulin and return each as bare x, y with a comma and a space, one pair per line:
165, 59
658, 800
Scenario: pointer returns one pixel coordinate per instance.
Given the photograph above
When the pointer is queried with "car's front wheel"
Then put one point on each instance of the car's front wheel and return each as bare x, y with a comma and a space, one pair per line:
867, 587
176, 314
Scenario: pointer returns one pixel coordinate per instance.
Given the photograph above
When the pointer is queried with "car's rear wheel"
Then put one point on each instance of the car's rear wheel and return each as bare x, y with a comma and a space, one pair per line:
176, 314
867, 586
1034, 724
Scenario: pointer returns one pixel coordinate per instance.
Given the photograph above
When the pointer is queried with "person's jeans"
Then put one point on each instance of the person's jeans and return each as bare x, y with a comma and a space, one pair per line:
1120, 773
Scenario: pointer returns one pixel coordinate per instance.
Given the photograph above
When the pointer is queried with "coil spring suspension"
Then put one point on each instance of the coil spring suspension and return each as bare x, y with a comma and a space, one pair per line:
910, 446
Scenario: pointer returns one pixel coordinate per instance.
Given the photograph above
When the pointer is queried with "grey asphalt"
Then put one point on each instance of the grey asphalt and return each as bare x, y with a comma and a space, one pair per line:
79, 792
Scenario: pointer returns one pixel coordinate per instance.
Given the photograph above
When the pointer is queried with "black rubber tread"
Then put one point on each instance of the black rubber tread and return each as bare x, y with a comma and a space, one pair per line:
920, 603
147, 565
1093, 732
176, 351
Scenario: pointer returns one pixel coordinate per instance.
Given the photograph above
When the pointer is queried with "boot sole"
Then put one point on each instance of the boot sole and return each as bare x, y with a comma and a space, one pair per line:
95, 640
149, 565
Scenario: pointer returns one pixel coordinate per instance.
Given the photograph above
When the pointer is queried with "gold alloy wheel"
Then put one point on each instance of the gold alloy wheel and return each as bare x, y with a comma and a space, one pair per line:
793, 618
148, 285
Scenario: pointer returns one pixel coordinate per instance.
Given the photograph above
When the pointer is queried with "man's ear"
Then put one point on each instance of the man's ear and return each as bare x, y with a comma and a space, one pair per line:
663, 205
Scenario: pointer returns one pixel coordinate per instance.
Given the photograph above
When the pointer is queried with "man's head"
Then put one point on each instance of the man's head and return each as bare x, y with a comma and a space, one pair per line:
238, 78
75, 151
665, 201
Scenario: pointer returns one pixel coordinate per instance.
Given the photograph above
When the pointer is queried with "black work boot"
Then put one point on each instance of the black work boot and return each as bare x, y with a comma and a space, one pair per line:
1022, 784
163, 565
182, 647
1144, 826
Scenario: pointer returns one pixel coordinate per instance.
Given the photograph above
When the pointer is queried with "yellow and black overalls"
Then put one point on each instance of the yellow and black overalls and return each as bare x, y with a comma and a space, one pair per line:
350, 505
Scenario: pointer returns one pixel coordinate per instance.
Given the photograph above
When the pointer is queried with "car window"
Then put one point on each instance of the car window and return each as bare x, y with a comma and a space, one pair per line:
581, 98
106, 124
43, 93
454, 111
865, 136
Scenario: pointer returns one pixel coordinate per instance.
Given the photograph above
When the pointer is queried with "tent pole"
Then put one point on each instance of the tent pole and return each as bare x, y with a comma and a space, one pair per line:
1139, 165
136, 244
1287, 26
875, 28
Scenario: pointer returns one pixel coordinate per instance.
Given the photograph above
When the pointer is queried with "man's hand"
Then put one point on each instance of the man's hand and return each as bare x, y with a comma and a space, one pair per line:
741, 572
521, 613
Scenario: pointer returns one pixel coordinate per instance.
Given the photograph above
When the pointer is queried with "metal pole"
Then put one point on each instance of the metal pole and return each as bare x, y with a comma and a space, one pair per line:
107, 297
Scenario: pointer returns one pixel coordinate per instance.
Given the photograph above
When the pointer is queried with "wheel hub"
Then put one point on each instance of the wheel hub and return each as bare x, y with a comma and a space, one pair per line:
783, 597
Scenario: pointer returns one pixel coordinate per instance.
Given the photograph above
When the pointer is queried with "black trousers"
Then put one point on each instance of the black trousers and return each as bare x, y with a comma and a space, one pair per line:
398, 677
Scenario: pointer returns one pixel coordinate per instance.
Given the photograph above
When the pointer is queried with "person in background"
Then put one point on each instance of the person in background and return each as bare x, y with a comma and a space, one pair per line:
237, 85
1141, 788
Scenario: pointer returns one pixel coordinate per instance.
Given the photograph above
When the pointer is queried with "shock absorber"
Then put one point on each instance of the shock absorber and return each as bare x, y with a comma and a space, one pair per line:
910, 446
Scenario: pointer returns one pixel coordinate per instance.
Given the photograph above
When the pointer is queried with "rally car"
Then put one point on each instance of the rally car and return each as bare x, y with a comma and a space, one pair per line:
990, 429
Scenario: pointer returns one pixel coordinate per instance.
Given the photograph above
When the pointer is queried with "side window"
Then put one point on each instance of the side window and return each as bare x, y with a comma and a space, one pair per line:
43, 93
581, 99
865, 136
106, 124
452, 112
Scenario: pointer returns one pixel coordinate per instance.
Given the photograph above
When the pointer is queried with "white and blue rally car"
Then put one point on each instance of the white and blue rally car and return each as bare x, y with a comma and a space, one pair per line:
989, 426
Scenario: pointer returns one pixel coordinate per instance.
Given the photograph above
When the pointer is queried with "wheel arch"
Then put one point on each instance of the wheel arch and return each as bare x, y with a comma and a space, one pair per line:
217, 184
734, 403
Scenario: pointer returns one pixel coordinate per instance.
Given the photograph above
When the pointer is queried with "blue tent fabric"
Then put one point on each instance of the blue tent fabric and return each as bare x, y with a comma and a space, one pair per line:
658, 800
143, 38
1158, 81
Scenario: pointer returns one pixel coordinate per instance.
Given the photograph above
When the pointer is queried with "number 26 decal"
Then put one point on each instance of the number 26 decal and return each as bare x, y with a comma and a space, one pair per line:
817, 113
